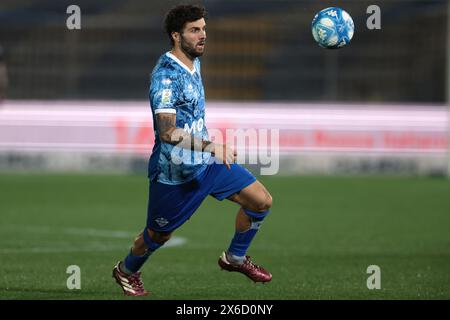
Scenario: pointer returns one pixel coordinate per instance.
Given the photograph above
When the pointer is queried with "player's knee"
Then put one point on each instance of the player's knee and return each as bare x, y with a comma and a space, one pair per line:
264, 204
269, 201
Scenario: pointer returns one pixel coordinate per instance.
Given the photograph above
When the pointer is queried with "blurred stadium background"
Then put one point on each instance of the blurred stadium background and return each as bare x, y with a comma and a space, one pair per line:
74, 113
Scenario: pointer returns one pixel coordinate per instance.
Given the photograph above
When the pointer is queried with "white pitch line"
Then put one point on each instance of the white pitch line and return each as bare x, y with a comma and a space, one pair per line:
173, 242
89, 232
98, 233
67, 249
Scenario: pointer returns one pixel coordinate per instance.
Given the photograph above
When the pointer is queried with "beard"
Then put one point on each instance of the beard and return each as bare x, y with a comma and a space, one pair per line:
190, 50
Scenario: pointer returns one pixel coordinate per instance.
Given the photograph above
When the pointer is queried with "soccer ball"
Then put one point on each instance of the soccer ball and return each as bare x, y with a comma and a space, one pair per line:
332, 28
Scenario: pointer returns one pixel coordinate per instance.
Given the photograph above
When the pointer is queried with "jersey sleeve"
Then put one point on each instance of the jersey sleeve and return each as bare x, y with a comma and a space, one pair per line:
164, 93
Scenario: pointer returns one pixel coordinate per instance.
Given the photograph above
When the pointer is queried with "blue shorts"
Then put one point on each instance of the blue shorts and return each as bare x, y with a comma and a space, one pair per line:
169, 206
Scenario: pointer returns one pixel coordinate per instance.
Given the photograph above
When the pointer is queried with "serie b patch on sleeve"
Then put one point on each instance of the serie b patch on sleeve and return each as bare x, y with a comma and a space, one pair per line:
166, 96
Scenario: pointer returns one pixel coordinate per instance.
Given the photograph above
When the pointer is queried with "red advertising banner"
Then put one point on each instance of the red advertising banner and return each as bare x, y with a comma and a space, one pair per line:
127, 127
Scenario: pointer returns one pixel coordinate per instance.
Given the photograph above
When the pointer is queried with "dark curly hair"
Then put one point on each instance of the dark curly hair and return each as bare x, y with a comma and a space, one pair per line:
177, 17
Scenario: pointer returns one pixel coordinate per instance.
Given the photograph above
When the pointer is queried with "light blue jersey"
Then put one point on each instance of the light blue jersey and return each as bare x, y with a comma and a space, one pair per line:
176, 89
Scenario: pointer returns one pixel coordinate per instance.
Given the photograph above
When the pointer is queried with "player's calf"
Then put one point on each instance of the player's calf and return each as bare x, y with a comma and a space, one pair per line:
235, 259
244, 236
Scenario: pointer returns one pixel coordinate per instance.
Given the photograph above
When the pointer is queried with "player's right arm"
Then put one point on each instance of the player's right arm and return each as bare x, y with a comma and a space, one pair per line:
169, 133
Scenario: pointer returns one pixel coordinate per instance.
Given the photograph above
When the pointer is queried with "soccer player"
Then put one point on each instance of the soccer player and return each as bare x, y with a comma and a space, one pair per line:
185, 167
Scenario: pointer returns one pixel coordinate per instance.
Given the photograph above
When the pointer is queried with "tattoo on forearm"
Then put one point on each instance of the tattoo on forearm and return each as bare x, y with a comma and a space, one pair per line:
165, 123
169, 133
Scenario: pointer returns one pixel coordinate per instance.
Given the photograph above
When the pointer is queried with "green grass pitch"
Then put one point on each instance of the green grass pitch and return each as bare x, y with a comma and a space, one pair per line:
322, 234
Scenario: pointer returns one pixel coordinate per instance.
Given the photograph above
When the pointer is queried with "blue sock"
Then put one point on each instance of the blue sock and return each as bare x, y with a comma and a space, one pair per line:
241, 240
133, 263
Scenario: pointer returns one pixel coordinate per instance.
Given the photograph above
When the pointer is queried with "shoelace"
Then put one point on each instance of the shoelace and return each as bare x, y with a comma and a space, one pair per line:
251, 264
136, 280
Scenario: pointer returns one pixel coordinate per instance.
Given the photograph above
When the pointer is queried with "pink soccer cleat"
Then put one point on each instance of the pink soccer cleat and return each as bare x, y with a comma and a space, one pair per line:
131, 284
251, 270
